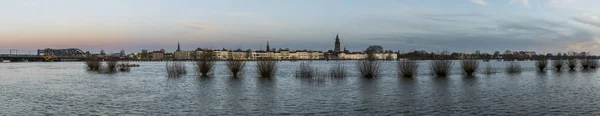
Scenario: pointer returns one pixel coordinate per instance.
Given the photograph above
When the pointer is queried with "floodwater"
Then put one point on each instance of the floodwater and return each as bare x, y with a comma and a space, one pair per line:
68, 89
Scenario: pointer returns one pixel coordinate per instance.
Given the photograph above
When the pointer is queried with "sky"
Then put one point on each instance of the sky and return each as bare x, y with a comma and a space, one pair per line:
545, 26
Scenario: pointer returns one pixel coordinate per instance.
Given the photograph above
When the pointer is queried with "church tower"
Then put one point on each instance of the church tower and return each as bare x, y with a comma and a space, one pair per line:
336, 49
268, 48
178, 47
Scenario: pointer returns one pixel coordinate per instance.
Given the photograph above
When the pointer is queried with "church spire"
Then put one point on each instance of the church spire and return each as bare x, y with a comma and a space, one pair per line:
178, 47
336, 48
268, 48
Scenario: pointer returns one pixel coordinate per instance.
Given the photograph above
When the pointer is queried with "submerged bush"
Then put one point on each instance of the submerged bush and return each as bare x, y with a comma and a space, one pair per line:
236, 67
585, 63
513, 67
124, 66
593, 63
175, 68
408, 68
589, 63
469, 66
93, 64
111, 65
489, 69
441, 68
205, 63
572, 64
558, 64
368, 68
266, 67
306, 70
541, 64
337, 70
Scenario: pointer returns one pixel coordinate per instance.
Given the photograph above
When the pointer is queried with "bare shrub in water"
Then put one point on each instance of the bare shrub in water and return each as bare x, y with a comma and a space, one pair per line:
441, 68
124, 66
489, 69
368, 68
572, 64
175, 68
112, 65
593, 63
205, 63
337, 70
541, 64
93, 64
585, 63
408, 68
236, 67
469, 66
266, 67
513, 67
558, 64
305, 70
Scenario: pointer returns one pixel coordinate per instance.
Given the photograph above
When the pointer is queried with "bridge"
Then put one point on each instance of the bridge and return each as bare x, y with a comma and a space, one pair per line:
48, 54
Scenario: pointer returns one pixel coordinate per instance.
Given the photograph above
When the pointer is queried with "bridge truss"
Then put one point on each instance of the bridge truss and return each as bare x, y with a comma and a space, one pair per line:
70, 52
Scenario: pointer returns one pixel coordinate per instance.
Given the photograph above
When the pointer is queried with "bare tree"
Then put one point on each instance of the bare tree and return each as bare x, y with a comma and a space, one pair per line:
337, 70
441, 68
558, 64
205, 63
541, 64
236, 67
175, 69
266, 67
408, 68
469, 66
513, 67
368, 68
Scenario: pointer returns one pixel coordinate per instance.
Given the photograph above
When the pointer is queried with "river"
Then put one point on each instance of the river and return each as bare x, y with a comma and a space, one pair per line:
67, 88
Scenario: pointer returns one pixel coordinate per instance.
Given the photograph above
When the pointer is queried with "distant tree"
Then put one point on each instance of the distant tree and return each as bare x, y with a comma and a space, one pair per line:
102, 52
122, 53
497, 53
507, 52
374, 49
144, 54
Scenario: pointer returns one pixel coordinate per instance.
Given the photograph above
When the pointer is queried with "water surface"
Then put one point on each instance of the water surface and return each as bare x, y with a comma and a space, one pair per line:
67, 88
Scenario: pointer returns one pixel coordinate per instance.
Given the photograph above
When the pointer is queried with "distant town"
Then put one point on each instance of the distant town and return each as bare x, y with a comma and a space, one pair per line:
375, 52
340, 54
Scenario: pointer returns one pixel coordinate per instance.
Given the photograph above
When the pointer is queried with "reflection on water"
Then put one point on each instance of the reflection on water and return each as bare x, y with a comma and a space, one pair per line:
65, 88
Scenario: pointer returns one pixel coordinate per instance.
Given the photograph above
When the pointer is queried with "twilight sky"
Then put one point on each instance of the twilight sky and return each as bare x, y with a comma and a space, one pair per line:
432, 25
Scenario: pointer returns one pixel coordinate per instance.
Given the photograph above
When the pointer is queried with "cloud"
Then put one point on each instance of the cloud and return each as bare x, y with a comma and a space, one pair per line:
540, 29
590, 20
539, 35
480, 2
459, 42
200, 27
449, 17
524, 2
517, 26
592, 45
